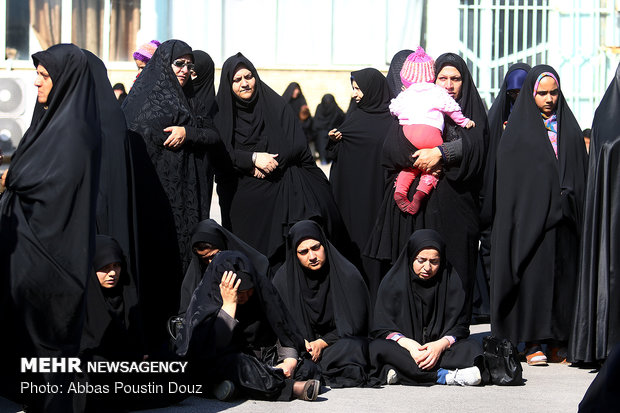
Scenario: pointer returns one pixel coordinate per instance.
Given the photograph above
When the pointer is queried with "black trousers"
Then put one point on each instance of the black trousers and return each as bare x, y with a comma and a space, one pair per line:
345, 363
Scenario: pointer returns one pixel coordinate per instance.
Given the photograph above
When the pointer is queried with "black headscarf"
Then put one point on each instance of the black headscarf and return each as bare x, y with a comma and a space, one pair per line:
424, 310
535, 193
596, 326
211, 232
372, 83
295, 103
204, 90
393, 77
265, 123
207, 301
47, 227
112, 328
498, 114
336, 293
328, 114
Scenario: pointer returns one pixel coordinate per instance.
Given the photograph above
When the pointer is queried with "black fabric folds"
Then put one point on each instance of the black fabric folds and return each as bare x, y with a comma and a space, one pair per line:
356, 175
402, 296
211, 232
393, 76
452, 209
538, 217
596, 326
328, 114
204, 90
297, 102
196, 338
47, 226
261, 211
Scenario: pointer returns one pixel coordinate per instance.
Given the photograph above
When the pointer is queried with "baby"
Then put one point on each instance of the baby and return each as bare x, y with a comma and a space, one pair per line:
420, 110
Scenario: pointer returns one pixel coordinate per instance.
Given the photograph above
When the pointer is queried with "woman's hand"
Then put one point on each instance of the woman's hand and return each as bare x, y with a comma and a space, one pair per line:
426, 159
3, 181
228, 290
412, 347
176, 138
334, 135
431, 352
266, 162
288, 366
258, 174
315, 348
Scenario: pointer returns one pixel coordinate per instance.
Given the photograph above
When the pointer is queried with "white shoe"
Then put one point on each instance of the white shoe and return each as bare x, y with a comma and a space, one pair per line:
464, 377
392, 377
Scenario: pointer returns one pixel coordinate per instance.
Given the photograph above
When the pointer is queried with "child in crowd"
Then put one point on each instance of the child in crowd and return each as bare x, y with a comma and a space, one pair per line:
420, 110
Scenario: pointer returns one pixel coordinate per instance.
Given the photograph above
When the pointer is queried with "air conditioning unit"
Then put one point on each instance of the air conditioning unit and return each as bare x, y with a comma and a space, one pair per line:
17, 99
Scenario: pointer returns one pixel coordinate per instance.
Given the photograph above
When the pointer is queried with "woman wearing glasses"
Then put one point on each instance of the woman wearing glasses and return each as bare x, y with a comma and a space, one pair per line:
172, 188
421, 323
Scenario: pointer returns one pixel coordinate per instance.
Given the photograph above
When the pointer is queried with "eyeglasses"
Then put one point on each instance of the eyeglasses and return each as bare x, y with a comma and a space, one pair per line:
180, 63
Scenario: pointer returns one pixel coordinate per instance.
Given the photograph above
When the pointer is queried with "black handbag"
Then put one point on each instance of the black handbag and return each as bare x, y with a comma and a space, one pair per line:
501, 359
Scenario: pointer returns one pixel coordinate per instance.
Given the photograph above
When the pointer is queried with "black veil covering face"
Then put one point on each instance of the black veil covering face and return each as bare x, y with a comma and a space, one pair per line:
596, 325
211, 232
204, 90
47, 227
333, 297
172, 185
328, 114
261, 211
538, 218
453, 207
356, 175
393, 76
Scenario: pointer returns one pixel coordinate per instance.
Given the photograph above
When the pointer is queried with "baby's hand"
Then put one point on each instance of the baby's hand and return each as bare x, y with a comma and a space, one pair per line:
470, 124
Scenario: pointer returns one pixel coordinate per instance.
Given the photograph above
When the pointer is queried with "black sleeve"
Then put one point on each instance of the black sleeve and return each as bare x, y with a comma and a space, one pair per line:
223, 329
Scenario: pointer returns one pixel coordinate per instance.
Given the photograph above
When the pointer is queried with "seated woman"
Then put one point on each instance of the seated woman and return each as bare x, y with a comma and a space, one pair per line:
420, 320
208, 239
238, 333
329, 302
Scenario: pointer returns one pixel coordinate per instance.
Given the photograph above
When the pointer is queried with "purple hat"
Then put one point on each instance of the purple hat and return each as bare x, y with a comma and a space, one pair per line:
419, 67
145, 52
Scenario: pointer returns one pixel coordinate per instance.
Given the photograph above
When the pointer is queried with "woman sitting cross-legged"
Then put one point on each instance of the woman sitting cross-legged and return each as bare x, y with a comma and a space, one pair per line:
420, 321
329, 302
238, 334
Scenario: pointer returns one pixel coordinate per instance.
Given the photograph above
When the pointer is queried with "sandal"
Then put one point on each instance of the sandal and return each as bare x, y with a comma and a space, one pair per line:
558, 355
536, 358
311, 390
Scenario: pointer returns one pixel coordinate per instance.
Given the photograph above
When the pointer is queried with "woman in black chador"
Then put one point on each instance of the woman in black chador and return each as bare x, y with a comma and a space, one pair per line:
453, 207
327, 116
238, 333
274, 181
596, 326
329, 301
421, 325
393, 76
172, 186
356, 176
539, 191
47, 224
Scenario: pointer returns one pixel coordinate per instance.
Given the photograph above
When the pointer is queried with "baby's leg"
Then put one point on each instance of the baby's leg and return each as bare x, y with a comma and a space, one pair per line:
427, 183
401, 187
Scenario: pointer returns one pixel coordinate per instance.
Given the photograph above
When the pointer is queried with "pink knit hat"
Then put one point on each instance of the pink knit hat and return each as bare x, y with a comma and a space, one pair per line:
419, 67
145, 52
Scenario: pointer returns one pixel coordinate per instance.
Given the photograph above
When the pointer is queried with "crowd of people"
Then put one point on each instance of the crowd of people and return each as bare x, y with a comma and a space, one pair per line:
435, 213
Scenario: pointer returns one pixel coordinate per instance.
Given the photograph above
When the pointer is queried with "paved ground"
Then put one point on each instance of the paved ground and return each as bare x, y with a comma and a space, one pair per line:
556, 388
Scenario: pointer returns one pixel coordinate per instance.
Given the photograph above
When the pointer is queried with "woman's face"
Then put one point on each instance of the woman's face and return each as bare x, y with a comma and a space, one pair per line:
450, 79
311, 254
108, 275
357, 92
182, 68
426, 263
546, 97
140, 65
243, 82
206, 255
44, 84
244, 296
